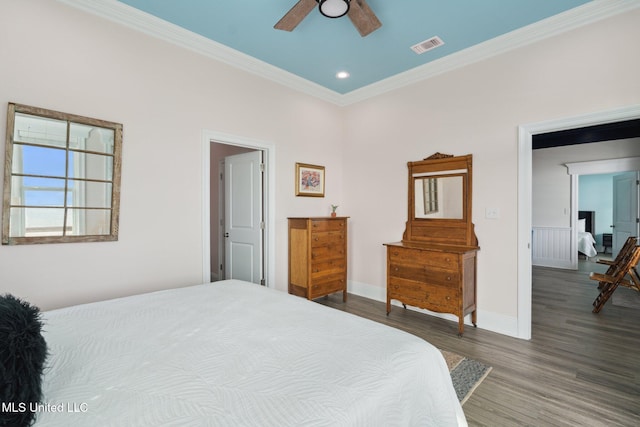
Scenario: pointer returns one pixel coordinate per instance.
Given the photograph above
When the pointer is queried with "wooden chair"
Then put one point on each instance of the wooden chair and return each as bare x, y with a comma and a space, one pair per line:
618, 277
624, 252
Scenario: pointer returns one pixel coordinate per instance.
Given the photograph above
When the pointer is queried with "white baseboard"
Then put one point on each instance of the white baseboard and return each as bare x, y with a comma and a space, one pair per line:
552, 263
487, 320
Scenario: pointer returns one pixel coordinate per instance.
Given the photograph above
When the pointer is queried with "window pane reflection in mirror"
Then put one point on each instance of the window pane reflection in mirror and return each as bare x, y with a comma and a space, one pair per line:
440, 197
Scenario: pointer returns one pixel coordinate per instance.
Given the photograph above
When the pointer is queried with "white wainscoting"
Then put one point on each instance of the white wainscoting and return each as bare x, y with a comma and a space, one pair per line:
551, 247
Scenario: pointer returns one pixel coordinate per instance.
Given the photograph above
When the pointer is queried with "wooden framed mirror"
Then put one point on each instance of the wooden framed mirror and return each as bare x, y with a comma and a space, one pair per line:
61, 177
439, 202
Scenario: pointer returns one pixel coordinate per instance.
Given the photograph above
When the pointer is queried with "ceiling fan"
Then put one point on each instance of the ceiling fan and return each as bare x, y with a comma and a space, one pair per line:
358, 11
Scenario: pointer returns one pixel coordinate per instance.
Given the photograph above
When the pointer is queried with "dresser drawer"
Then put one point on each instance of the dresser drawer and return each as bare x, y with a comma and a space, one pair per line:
325, 286
423, 273
423, 295
325, 238
328, 267
327, 225
442, 260
325, 253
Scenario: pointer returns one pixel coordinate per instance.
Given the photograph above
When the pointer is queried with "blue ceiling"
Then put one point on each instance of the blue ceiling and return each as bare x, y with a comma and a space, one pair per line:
320, 47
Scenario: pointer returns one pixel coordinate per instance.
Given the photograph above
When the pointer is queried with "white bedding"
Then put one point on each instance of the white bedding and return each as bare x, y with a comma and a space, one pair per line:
237, 354
586, 244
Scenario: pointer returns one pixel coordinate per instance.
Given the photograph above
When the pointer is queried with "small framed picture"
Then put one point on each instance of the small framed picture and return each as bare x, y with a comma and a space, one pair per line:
309, 180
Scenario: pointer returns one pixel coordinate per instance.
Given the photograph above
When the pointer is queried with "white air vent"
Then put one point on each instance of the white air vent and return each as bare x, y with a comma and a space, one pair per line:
426, 45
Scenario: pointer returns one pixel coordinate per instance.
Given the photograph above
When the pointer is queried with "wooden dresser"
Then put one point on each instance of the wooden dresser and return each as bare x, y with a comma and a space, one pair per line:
318, 256
434, 266
434, 277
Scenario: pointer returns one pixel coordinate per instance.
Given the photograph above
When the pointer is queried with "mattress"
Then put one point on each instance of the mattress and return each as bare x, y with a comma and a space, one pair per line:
233, 353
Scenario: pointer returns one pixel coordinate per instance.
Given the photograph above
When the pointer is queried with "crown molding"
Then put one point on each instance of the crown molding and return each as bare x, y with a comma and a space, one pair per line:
128, 16
138, 20
580, 16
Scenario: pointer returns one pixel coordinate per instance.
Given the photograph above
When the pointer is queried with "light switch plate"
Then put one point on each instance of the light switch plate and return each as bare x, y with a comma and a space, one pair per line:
492, 213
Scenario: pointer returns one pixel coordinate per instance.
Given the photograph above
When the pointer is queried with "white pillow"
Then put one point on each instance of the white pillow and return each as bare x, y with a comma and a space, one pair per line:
582, 223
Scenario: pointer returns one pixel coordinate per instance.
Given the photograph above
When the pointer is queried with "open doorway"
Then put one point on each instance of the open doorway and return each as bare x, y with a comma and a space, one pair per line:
595, 197
236, 241
525, 148
215, 148
558, 197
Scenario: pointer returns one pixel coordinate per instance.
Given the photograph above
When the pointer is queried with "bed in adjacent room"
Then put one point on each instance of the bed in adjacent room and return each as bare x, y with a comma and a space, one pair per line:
586, 233
233, 353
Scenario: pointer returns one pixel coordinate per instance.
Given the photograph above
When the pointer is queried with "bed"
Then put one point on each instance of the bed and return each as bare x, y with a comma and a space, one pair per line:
233, 353
586, 232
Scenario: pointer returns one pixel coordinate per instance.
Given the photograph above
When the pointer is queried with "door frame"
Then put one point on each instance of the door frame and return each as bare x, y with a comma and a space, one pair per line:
269, 159
525, 190
221, 216
592, 167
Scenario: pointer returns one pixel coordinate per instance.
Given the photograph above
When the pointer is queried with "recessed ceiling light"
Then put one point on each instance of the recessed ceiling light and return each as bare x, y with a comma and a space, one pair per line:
342, 75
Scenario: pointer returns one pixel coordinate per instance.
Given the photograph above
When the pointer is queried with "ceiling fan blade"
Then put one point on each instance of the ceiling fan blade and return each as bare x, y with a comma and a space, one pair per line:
296, 14
363, 17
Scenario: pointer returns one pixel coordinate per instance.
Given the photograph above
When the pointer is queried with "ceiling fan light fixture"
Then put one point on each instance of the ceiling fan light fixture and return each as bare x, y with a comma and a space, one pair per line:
333, 8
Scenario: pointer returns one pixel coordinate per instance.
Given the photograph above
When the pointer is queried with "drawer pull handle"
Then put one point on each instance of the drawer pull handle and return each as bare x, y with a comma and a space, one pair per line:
395, 253
449, 278
397, 269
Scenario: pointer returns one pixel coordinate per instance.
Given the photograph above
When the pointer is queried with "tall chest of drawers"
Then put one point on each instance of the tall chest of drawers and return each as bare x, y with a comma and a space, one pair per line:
439, 278
318, 256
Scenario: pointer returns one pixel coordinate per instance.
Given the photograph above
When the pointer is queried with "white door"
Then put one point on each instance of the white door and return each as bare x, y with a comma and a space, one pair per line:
243, 217
625, 209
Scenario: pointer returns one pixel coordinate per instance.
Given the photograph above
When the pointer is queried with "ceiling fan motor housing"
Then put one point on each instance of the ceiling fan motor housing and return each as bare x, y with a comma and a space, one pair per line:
333, 8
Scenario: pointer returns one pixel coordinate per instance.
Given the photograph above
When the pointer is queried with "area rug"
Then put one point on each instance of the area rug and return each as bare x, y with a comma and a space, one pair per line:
624, 297
466, 374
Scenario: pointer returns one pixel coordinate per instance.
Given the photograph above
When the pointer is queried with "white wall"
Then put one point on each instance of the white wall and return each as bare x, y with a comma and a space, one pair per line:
165, 97
595, 193
60, 58
552, 183
477, 110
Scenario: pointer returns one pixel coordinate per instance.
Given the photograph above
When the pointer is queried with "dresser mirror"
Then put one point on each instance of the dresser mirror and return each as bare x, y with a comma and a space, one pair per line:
439, 197
440, 201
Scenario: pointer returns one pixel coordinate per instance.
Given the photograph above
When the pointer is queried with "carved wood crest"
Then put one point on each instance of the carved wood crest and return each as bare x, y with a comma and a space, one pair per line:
438, 156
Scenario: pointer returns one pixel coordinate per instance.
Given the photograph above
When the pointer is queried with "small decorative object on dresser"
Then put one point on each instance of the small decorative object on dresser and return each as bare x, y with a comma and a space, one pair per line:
434, 266
318, 256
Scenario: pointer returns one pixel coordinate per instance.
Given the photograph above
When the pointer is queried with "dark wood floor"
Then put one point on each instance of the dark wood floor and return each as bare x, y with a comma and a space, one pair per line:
579, 368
